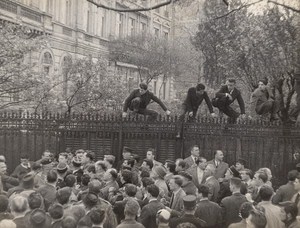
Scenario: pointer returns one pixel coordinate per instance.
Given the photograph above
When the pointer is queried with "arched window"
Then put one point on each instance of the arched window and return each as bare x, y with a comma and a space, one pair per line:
66, 65
47, 63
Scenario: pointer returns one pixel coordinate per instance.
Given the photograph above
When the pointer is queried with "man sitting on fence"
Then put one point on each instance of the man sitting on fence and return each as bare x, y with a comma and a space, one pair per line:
138, 101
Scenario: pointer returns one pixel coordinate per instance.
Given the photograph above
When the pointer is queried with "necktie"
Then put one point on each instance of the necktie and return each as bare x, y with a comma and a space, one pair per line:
172, 199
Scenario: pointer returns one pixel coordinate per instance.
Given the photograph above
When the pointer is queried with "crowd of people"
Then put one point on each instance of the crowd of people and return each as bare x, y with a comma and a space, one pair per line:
75, 190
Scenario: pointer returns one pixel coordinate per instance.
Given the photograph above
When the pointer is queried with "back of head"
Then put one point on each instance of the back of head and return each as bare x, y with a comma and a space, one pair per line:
3, 203
63, 195
266, 192
90, 199
236, 182
131, 208
291, 209
130, 190
245, 209
186, 225
258, 219
97, 215
292, 175
127, 176
76, 211
95, 186
143, 86
70, 180
146, 181
263, 176
153, 190
203, 189
6, 223
56, 211
68, 222
35, 200
19, 204
51, 176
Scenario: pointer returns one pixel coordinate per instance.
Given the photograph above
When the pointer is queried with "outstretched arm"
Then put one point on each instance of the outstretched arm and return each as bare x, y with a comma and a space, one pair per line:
158, 101
128, 100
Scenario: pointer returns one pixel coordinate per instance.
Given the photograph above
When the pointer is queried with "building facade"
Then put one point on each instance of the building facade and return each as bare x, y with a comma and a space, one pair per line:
77, 28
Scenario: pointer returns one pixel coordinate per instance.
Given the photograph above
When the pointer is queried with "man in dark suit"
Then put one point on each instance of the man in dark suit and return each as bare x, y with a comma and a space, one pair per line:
138, 101
195, 153
188, 185
197, 171
231, 205
225, 97
206, 210
192, 102
287, 191
212, 182
148, 213
176, 201
189, 203
221, 167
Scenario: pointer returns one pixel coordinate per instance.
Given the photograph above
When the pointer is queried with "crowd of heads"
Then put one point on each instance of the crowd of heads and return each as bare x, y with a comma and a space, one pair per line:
77, 189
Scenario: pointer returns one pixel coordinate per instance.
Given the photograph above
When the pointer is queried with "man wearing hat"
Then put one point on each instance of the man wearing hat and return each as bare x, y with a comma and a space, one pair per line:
138, 101
39, 219
77, 169
263, 101
189, 203
62, 171
231, 205
158, 174
193, 100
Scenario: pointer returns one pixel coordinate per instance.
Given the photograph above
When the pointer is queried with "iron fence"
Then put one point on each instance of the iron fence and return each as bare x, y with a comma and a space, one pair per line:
262, 144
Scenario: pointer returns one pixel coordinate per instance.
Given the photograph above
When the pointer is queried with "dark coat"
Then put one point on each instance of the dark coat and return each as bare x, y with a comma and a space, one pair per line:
193, 101
236, 94
186, 219
177, 203
145, 100
220, 170
48, 192
231, 208
284, 193
209, 212
148, 214
189, 161
225, 190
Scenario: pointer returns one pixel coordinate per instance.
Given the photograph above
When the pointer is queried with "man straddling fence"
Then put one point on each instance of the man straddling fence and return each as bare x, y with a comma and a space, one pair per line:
225, 97
263, 101
138, 101
192, 102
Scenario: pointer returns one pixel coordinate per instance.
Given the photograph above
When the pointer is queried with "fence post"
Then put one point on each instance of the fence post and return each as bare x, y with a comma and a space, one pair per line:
120, 143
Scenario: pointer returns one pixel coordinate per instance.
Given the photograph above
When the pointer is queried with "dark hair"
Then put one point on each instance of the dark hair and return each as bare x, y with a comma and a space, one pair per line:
203, 189
258, 218
36, 166
110, 160
35, 200
266, 192
152, 150
89, 154
51, 176
146, 181
102, 164
144, 173
149, 163
263, 176
130, 162
153, 190
231, 80
97, 215
130, 190
248, 172
235, 181
24, 156
291, 209
200, 86
193, 146
85, 179
199, 159
127, 176
91, 169
113, 173
63, 195
292, 175
69, 222
264, 80
186, 225
245, 209
4, 203
70, 180
171, 167
143, 86
177, 180
183, 164
56, 211
63, 154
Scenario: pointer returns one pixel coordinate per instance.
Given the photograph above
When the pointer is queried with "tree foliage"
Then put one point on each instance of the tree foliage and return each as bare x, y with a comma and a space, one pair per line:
249, 47
18, 76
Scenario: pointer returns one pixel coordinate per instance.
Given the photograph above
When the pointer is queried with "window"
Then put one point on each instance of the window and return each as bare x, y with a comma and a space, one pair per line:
47, 63
120, 25
68, 12
103, 23
49, 6
143, 27
89, 22
166, 35
66, 67
156, 32
131, 27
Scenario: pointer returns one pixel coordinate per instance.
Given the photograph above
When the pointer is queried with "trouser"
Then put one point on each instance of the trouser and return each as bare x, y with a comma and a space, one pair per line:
223, 105
269, 106
135, 106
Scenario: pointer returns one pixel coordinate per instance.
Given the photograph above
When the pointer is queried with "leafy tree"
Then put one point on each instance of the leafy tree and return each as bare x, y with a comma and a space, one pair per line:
18, 76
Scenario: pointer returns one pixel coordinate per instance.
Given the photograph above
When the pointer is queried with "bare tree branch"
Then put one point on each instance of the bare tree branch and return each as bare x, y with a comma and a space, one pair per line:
285, 6
237, 9
132, 10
